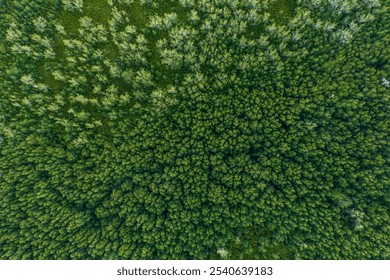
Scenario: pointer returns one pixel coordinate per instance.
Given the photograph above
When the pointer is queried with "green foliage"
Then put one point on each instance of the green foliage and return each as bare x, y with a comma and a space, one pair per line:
233, 129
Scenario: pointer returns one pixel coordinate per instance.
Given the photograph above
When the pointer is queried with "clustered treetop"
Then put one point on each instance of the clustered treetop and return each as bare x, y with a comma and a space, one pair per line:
183, 129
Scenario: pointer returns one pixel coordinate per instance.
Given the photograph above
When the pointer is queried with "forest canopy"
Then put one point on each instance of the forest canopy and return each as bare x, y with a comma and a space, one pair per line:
194, 129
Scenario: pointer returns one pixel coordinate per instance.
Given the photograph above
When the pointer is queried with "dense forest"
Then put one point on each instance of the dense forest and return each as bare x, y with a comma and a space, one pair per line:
194, 129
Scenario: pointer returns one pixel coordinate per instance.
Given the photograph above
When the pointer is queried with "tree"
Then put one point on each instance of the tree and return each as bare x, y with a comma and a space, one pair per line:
208, 129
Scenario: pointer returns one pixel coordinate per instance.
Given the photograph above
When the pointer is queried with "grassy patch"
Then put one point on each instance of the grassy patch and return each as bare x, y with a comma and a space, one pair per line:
282, 10
97, 10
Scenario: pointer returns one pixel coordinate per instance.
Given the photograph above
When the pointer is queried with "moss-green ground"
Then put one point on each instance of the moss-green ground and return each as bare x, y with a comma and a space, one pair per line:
282, 10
